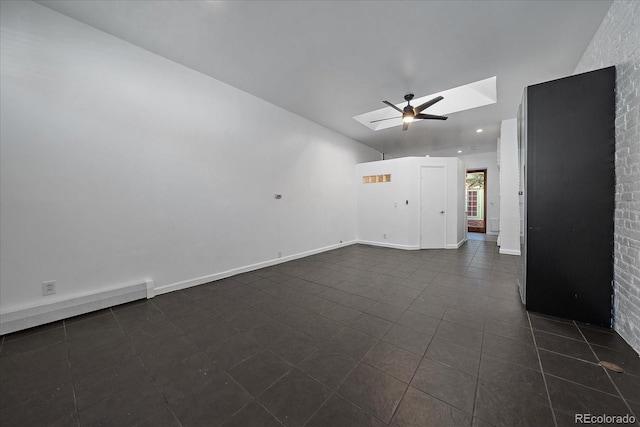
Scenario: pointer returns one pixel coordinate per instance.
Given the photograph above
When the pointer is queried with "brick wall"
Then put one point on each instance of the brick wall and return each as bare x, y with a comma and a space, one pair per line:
617, 42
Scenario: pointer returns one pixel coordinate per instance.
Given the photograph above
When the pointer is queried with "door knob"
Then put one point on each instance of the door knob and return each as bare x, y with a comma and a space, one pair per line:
441, 211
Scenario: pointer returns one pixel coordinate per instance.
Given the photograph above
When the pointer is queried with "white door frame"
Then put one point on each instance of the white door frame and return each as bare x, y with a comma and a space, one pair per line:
444, 169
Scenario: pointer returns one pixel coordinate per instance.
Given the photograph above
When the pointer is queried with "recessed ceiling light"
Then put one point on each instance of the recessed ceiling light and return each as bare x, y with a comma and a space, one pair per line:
479, 130
459, 151
427, 155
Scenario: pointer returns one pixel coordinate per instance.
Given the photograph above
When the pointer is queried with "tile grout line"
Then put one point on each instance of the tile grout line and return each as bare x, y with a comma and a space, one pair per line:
73, 380
363, 361
581, 385
555, 334
137, 355
253, 398
395, 411
240, 332
353, 369
544, 379
606, 371
475, 394
337, 392
320, 407
311, 376
569, 356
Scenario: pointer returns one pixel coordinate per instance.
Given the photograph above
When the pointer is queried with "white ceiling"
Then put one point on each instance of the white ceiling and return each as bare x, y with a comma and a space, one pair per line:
329, 61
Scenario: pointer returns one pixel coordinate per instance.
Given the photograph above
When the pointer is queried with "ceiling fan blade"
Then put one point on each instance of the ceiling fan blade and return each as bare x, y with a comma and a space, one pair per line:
428, 103
405, 126
381, 120
430, 116
392, 106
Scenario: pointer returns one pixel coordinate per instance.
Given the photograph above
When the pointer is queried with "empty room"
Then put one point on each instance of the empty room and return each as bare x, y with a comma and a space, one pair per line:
319, 213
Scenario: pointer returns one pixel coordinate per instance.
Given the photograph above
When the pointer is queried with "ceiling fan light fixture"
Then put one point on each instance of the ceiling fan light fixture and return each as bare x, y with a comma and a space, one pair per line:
409, 113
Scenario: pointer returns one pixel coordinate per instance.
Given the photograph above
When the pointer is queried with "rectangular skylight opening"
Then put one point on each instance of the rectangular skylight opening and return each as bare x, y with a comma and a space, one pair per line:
465, 97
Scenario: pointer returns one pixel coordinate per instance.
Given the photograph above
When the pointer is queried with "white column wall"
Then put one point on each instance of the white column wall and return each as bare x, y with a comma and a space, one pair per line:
383, 209
509, 187
461, 202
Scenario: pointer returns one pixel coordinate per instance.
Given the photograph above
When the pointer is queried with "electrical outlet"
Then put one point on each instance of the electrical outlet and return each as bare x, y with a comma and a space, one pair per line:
279, 254
49, 288
384, 236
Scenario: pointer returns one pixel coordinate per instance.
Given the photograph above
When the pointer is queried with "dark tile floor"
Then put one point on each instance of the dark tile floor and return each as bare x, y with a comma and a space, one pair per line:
360, 336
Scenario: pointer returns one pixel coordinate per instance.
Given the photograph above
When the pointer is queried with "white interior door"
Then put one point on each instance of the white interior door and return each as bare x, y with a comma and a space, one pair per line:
433, 196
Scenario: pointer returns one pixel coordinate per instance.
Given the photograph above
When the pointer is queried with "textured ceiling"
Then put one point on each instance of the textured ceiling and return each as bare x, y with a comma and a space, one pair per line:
329, 61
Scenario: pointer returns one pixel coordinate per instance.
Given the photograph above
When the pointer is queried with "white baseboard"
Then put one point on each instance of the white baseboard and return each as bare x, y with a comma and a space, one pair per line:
408, 247
457, 245
36, 315
509, 251
40, 314
223, 275
390, 245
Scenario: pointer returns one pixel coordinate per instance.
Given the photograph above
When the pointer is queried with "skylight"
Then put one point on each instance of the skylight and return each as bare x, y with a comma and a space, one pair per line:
466, 97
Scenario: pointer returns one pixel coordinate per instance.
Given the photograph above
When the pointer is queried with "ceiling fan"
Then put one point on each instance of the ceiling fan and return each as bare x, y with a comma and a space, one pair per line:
410, 113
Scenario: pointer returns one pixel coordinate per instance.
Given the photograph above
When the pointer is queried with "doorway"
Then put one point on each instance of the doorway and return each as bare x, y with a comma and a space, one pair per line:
476, 200
433, 200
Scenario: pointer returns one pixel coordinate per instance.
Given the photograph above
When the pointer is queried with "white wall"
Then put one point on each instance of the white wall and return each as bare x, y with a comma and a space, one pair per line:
382, 207
509, 187
461, 187
119, 165
488, 161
